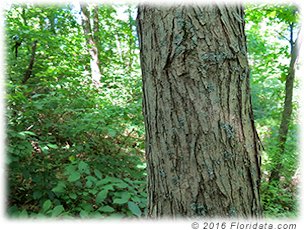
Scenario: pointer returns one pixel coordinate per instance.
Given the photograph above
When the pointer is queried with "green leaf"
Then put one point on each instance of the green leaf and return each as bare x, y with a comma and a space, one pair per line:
57, 210
93, 191
136, 199
74, 176
73, 196
60, 188
119, 201
89, 184
13, 211
36, 95
101, 196
125, 196
23, 213
98, 173
106, 180
45, 149
37, 195
24, 133
52, 146
272, 14
46, 205
134, 208
72, 158
121, 185
86, 206
91, 178
84, 214
69, 169
106, 208
108, 187
111, 132
84, 167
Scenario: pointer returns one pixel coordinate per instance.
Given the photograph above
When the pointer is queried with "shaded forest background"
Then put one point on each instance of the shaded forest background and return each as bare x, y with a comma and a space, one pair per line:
75, 132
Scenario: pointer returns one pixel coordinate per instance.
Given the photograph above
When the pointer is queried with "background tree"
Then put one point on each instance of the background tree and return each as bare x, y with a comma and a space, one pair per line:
271, 34
202, 149
72, 151
91, 34
288, 17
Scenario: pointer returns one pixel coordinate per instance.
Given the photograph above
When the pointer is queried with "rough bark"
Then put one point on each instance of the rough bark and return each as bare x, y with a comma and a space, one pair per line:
287, 111
201, 145
91, 43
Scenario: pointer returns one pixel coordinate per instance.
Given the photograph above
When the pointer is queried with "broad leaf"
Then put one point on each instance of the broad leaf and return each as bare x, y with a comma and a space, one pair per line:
74, 176
83, 167
60, 188
46, 205
57, 210
101, 196
98, 173
134, 208
106, 208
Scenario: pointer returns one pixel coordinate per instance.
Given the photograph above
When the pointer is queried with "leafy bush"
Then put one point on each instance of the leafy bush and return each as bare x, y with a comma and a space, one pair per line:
267, 27
73, 150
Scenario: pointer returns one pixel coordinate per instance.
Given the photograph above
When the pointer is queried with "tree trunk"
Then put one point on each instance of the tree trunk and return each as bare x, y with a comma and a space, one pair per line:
29, 71
287, 111
91, 43
96, 30
96, 24
202, 148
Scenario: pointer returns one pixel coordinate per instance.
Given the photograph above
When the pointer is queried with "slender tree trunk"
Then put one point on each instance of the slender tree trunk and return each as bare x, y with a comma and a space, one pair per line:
29, 71
96, 30
91, 43
287, 111
131, 42
96, 24
201, 144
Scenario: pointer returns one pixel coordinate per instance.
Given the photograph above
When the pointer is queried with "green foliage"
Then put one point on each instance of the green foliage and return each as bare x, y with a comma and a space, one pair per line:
279, 199
268, 34
73, 150
77, 151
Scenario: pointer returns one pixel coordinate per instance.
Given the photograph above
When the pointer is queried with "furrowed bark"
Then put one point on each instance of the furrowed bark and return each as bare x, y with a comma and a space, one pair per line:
202, 148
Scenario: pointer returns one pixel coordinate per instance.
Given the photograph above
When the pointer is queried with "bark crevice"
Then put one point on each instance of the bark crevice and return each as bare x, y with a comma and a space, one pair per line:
198, 115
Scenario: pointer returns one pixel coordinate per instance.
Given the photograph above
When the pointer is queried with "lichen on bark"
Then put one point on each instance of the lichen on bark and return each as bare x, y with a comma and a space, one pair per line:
201, 144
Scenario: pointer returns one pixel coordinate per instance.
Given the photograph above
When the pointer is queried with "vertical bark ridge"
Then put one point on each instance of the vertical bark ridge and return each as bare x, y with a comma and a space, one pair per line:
200, 139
